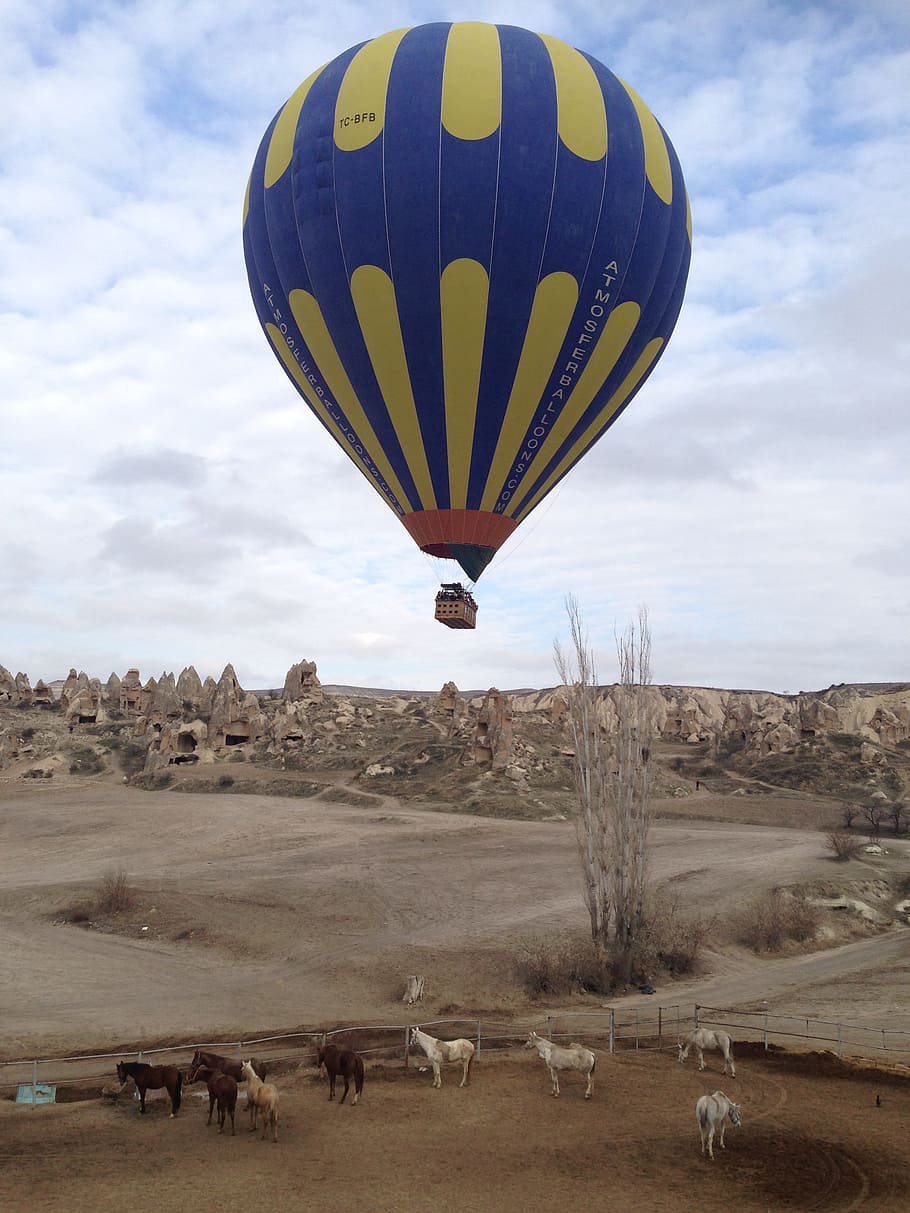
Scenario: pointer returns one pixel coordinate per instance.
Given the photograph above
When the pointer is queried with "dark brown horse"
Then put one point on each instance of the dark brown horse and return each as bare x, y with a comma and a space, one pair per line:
222, 1090
347, 1063
226, 1065
152, 1078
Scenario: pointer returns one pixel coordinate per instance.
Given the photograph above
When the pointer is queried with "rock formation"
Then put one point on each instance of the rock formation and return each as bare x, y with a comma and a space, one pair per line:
131, 692
301, 684
448, 702
186, 720
236, 717
8, 691
492, 742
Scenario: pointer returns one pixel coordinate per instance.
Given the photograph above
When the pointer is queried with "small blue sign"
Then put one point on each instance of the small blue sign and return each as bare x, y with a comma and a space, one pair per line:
41, 1092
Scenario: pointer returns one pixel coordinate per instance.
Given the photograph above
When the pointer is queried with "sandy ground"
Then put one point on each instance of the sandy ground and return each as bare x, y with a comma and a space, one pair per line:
271, 914
324, 909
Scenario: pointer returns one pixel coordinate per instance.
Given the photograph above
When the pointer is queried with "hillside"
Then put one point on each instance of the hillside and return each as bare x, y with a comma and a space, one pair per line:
842, 754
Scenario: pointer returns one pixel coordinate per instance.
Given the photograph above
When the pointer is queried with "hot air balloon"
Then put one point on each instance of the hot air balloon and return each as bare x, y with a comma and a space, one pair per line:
468, 246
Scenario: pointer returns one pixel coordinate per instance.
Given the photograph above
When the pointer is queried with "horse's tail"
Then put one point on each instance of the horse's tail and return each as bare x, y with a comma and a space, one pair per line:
178, 1091
701, 1112
358, 1075
593, 1061
470, 1063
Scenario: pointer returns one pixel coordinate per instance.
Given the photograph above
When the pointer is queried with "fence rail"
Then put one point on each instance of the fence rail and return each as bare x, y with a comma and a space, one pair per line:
649, 1028
768, 1026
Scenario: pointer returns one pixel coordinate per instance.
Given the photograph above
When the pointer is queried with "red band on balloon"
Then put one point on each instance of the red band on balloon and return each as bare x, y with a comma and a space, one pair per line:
434, 530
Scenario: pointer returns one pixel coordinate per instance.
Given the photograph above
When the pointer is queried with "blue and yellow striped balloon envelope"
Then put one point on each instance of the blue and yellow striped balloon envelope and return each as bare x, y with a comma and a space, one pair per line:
468, 246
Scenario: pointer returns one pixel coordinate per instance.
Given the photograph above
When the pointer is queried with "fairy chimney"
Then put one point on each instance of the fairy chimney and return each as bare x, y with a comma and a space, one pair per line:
301, 684
448, 702
492, 744
112, 691
189, 688
236, 716
131, 692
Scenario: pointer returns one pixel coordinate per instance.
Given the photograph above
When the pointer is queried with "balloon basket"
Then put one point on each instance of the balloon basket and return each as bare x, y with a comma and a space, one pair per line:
455, 606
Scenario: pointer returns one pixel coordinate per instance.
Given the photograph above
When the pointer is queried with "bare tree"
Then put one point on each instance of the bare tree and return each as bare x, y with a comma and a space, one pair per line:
612, 779
873, 814
850, 812
631, 788
592, 822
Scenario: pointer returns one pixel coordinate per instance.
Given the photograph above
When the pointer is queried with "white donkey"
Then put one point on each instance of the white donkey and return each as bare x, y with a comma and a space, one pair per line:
439, 1051
712, 1112
705, 1038
558, 1057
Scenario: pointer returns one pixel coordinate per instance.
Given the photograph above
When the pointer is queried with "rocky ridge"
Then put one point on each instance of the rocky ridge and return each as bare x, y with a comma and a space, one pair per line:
852, 742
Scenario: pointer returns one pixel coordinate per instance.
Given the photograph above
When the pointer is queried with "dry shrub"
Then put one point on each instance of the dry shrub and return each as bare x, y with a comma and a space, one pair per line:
113, 893
775, 918
843, 845
672, 939
547, 970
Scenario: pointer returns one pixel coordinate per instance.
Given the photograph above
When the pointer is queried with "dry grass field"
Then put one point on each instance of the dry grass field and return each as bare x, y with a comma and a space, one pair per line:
253, 915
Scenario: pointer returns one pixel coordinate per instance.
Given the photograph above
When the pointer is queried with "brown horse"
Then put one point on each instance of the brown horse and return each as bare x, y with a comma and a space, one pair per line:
347, 1063
226, 1065
222, 1090
154, 1078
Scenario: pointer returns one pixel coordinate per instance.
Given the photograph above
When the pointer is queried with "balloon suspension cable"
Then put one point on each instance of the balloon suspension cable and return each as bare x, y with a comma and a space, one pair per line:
526, 530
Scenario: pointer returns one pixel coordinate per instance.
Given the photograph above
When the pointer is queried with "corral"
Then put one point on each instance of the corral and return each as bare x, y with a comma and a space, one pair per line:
325, 908
813, 1138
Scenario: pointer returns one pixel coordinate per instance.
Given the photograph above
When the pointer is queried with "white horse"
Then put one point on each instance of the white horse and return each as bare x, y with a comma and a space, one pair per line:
559, 1057
712, 1112
439, 1051
705, 1038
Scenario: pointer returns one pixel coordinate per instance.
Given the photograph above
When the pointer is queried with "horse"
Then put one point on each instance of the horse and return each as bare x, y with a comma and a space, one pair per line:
559, 1057
439, 1051
222, 1090
705, 1038
345, 1062
227, 1065
152, 1077
713, 1112
261, 1097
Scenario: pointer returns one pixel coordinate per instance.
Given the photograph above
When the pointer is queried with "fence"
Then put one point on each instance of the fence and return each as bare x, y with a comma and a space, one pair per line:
768, 1027
614, 1029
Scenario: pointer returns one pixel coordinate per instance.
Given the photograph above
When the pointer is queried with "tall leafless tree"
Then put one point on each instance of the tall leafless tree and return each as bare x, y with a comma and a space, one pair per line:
631, 788
578, 674
612, 779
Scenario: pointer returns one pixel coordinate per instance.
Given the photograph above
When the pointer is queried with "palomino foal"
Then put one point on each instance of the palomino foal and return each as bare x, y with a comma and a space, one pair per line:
262, 1097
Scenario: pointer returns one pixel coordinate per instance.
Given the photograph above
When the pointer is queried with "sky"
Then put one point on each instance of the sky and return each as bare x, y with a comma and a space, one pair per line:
167, 499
